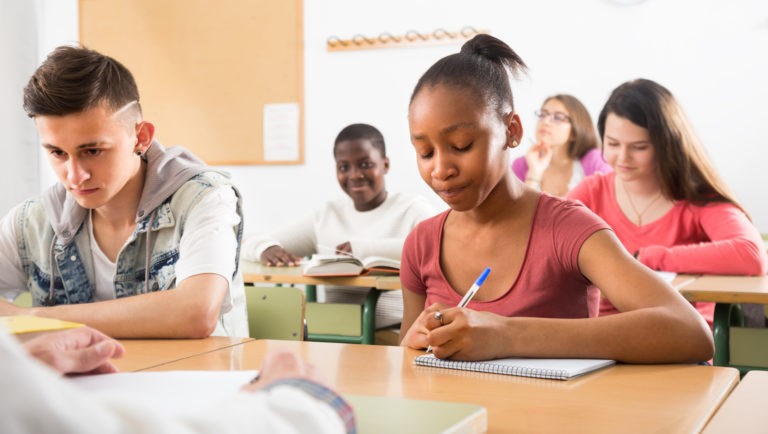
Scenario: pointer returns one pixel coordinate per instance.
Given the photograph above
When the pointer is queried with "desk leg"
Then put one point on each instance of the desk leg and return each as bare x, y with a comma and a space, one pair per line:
369, 316
726, 315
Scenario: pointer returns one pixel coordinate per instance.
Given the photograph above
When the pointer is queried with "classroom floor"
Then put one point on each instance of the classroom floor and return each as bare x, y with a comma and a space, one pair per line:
754, 316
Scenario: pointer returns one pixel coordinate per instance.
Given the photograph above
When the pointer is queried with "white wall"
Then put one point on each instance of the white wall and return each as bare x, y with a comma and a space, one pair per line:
712, 55
18, 165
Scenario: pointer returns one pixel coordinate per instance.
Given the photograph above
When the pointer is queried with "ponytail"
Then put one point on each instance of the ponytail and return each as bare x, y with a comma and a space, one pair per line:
483, 65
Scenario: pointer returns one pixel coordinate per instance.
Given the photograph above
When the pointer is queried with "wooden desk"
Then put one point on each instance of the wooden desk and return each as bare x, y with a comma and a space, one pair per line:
728, 289
637, 398
254, 272
744, 410
729, 292
147, 353
684, 280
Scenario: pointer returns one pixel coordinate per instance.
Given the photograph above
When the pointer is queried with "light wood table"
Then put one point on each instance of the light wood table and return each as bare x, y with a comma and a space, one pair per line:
683, 281
744, 411
254, 272
728, 292
147, 353
728, 289
636, 398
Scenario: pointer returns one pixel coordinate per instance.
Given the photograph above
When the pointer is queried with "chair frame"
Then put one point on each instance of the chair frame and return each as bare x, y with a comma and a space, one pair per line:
368, 318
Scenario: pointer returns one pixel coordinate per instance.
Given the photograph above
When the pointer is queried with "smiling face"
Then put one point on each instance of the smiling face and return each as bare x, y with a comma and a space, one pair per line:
628, 149
93, 154
360, 169
459, 144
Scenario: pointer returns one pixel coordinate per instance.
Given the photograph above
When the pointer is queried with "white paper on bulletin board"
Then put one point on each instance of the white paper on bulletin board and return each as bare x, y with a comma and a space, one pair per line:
281, 132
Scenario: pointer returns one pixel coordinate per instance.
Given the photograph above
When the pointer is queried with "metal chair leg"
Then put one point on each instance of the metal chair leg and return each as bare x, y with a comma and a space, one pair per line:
726, 316
369, 316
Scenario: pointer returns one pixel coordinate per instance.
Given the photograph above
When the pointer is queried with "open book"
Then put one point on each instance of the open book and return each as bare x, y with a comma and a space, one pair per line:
347, 265
556, 369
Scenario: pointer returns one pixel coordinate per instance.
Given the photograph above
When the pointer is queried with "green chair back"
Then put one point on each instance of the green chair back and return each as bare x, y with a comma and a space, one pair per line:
345, 323
747, 347
275, 312
334, 319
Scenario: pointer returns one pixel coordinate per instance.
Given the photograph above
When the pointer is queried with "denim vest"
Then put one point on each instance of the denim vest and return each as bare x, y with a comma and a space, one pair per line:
68, 258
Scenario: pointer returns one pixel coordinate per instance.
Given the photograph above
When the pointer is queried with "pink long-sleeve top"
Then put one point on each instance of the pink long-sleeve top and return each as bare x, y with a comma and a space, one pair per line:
716, 238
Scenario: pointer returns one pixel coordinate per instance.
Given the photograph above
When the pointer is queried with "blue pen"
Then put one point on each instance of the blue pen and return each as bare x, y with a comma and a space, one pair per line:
475, 286
467, 297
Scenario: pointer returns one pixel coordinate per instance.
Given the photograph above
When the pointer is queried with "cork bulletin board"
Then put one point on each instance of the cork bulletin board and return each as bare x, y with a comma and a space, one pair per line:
221, 78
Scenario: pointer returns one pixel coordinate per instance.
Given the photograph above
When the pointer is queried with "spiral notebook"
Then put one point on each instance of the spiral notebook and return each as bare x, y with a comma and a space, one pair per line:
555, 369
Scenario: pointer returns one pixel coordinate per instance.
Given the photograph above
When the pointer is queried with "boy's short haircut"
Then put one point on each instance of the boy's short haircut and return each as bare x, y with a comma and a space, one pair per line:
361, 132
75, 79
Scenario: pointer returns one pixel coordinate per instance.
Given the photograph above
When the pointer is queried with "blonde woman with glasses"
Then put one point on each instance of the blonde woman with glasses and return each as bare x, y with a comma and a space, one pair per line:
566, 148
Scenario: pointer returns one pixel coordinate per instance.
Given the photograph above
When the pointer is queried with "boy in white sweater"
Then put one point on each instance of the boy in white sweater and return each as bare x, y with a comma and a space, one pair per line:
373, 223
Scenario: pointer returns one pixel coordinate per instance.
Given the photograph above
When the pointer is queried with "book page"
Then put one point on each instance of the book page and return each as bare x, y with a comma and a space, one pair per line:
380, 261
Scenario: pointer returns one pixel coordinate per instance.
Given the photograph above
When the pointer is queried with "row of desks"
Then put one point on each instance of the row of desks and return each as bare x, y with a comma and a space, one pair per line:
719, 289
727, 292
723, 290
637, 398
657, 398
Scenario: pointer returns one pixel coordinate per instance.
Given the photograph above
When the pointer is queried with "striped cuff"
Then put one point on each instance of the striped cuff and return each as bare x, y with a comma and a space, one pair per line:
324, 394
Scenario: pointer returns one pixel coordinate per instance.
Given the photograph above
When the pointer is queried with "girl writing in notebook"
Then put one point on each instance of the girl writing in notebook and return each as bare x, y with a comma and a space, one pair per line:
544, 252
566, 147
664, 200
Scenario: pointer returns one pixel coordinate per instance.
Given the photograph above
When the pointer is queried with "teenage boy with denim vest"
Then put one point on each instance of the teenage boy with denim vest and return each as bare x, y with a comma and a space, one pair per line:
135, 240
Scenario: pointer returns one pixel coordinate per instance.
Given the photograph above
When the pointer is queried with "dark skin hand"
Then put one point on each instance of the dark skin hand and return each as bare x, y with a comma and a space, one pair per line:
344, 248
277, 256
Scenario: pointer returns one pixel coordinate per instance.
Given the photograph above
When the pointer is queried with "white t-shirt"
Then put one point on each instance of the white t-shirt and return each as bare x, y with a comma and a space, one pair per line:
378, 232
202, 249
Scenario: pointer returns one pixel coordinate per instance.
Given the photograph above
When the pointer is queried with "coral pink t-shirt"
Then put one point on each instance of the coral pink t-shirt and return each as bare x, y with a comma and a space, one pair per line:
716, 238
549, 285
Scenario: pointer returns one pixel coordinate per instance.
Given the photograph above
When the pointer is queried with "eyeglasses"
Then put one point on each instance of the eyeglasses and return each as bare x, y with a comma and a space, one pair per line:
555, 118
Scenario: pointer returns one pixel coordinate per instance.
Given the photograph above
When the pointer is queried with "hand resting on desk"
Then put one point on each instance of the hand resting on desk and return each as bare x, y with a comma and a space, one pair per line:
280, 366
81, 350
277, 256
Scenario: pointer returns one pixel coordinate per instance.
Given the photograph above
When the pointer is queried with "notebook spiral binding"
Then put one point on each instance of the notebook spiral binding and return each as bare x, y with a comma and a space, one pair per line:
552, 374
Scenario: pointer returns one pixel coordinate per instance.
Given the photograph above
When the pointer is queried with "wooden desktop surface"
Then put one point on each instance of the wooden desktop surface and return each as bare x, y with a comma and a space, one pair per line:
728, 289
254, 272
637, 398
744, 410
683, 280
146, 353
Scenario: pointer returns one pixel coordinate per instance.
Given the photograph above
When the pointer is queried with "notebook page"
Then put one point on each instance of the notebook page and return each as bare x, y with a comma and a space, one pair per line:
559, 369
